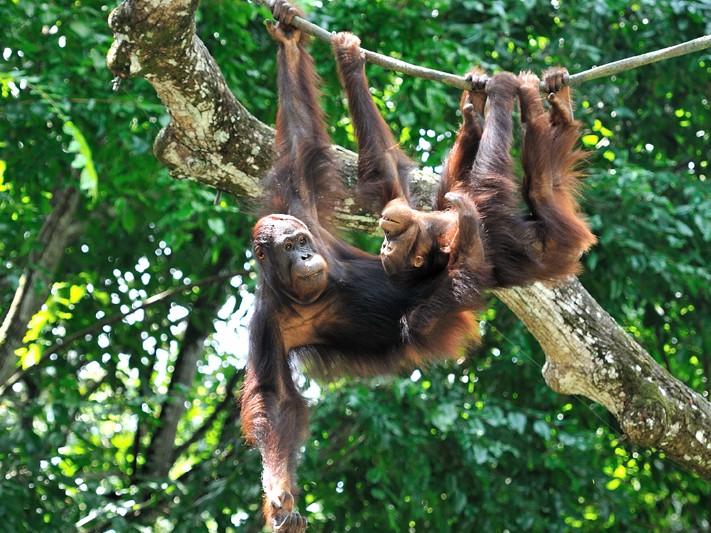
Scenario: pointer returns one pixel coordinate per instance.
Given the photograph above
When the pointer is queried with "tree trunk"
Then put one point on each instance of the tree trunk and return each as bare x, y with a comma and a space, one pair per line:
213, 139
36, 279
160, 454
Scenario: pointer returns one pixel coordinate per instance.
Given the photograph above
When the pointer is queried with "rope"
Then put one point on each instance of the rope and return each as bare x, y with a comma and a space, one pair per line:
390, 63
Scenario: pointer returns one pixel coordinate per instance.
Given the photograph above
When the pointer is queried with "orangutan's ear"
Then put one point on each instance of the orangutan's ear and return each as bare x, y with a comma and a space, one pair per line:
259, 252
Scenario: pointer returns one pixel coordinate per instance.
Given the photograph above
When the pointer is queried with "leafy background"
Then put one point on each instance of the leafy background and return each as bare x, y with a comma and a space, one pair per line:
478, 443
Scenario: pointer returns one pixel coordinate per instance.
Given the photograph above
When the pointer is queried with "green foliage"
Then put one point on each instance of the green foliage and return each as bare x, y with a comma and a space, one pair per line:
481, 443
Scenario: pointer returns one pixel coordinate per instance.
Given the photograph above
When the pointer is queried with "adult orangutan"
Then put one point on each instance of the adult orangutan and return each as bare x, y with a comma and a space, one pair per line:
319, 299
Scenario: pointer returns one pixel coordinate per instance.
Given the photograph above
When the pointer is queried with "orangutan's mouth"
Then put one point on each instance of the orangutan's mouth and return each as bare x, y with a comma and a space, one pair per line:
312, 275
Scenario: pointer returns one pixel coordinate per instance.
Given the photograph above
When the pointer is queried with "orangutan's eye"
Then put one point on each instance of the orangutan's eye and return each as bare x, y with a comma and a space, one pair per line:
288, 246
302, 240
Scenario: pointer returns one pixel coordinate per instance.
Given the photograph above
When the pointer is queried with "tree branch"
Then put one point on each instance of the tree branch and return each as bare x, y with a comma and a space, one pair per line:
160, 452
36, 280
587, 353
390, 63
159, 455
212, 139
210, 421
689, 47
96, 326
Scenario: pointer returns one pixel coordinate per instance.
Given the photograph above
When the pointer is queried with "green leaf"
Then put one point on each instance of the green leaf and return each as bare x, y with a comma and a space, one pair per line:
542, 429
89, 178
684, 229
76, 293
217, 225
29, 356
480, 454
517, 422
377, 493
81, 29
444, 417
613, 484
128, 220
590, 140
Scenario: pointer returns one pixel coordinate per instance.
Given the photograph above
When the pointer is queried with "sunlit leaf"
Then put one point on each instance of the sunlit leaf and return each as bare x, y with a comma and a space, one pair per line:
89, 181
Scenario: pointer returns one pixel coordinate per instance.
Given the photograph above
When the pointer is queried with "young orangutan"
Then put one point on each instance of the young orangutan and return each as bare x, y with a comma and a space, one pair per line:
477, 237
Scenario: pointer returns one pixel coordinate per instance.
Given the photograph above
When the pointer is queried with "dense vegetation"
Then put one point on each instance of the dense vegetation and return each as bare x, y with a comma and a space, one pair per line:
480, 442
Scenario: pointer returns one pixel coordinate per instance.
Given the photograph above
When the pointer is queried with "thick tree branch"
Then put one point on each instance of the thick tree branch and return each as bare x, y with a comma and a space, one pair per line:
214, 140
36, 279
587, 353
211, 137
159, 455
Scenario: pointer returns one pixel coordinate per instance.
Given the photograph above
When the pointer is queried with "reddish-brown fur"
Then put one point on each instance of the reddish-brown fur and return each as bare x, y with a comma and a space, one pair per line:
351, 318
492, 242
351, 321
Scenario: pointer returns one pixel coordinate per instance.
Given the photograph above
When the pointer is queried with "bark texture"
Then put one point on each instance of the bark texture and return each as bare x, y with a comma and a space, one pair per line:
36, 279
213, 139
588, 353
